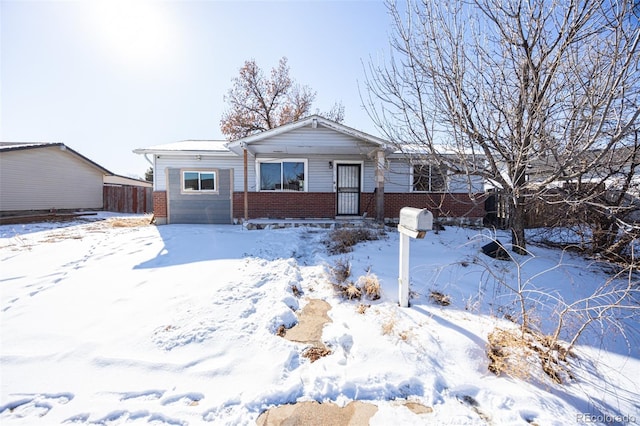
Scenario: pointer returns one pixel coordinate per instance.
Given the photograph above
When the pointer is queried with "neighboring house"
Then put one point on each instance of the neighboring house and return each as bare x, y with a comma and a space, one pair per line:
117, 180
36, 177
310, 169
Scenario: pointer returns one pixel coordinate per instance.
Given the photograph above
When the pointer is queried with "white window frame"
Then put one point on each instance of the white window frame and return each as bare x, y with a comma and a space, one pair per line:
412, 187
259, 161
215, 189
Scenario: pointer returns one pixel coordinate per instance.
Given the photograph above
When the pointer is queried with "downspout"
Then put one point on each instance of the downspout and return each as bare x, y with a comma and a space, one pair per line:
380, 161
147, 158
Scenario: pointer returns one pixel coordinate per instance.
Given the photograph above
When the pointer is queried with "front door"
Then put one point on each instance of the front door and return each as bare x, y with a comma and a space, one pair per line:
348, 189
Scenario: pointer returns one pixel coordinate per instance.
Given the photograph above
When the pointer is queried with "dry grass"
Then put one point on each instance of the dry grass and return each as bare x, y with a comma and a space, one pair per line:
297, 291
351, 291
133, 222
509, 353
440, 298
388, 327
526, 355
314, 353
367, 285
370, 285
362, 308
342, 240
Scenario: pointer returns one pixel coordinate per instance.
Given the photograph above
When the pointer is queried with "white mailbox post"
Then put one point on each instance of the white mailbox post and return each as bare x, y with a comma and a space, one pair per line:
414, 223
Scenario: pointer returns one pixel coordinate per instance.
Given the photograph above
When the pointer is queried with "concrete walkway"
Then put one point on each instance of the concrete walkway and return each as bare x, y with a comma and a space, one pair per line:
311, 321
312, 413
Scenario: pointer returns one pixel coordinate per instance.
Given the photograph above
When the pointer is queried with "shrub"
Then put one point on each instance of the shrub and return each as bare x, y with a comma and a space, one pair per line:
340, 271
440, 298
517, 354
342, 240
351, 291
370, 285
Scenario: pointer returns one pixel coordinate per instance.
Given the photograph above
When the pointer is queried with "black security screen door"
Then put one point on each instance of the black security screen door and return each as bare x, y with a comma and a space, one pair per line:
348, 186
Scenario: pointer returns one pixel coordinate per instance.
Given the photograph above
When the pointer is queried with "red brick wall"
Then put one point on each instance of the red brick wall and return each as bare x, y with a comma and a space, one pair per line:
281, 205
440, 204
160, 203
307, 205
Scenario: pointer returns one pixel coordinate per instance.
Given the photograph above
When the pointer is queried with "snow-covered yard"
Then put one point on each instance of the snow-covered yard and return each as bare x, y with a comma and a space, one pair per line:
177, 325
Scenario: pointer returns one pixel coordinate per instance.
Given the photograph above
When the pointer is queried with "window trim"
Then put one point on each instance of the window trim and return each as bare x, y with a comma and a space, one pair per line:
215, 190
259, 161
430, 190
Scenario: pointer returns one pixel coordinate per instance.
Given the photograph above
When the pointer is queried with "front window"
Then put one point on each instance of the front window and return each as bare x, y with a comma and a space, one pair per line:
198, 181
282, 176
428, 178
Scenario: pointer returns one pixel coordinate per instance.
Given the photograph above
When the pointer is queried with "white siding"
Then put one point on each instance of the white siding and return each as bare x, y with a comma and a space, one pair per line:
48, 178
184, 161
398, 179
397, 176
319, 139
462, 183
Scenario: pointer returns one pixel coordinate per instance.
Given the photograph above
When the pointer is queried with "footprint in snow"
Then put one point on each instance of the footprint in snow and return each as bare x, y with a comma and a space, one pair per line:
191, 398
124, 416
147, 395
33, 405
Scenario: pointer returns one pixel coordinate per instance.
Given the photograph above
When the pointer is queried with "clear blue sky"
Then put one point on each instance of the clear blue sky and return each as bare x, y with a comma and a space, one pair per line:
106, 77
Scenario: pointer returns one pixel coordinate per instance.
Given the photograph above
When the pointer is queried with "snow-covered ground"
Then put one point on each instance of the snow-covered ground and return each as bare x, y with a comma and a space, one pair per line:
177, 325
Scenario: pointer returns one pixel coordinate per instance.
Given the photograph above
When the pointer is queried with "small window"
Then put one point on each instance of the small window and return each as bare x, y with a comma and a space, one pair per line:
428, 178
199, 181
282, 176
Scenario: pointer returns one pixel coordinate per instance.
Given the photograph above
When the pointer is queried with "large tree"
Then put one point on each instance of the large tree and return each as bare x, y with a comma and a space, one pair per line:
511, 86
258, 103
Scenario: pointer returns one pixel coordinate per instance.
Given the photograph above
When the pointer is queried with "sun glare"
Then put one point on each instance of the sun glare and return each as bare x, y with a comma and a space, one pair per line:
133, 32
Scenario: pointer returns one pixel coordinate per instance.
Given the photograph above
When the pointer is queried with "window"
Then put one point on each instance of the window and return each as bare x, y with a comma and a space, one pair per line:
193, 181
282, 175
428, 178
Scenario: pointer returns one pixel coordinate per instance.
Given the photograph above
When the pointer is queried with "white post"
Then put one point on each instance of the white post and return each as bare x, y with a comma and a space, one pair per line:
403, 276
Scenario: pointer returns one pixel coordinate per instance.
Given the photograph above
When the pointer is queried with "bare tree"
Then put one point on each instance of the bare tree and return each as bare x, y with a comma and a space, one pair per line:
258, 103
510, 85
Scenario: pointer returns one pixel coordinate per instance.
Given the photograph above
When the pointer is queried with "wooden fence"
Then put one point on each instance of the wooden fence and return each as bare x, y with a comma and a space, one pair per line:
127, 199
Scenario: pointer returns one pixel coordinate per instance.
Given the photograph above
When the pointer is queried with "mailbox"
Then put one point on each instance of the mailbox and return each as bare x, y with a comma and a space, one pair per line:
415, 222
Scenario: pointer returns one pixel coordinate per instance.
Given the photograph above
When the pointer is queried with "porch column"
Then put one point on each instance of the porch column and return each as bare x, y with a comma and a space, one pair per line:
380, 160
246, 185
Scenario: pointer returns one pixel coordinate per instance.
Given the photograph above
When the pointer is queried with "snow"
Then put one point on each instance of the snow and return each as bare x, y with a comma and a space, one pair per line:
177, 325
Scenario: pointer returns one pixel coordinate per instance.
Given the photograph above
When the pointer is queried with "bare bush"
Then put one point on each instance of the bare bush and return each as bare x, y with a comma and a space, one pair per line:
351, 291
613, 306
370, 285
440, 298
340, 272
522, 356
342, 240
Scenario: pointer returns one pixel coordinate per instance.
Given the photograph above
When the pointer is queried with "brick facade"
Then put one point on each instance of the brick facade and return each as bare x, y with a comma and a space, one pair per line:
160, 204
442, 205
308, 205
285, 205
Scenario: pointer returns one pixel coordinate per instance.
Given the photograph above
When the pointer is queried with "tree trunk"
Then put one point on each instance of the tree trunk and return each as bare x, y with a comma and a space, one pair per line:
517, 223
